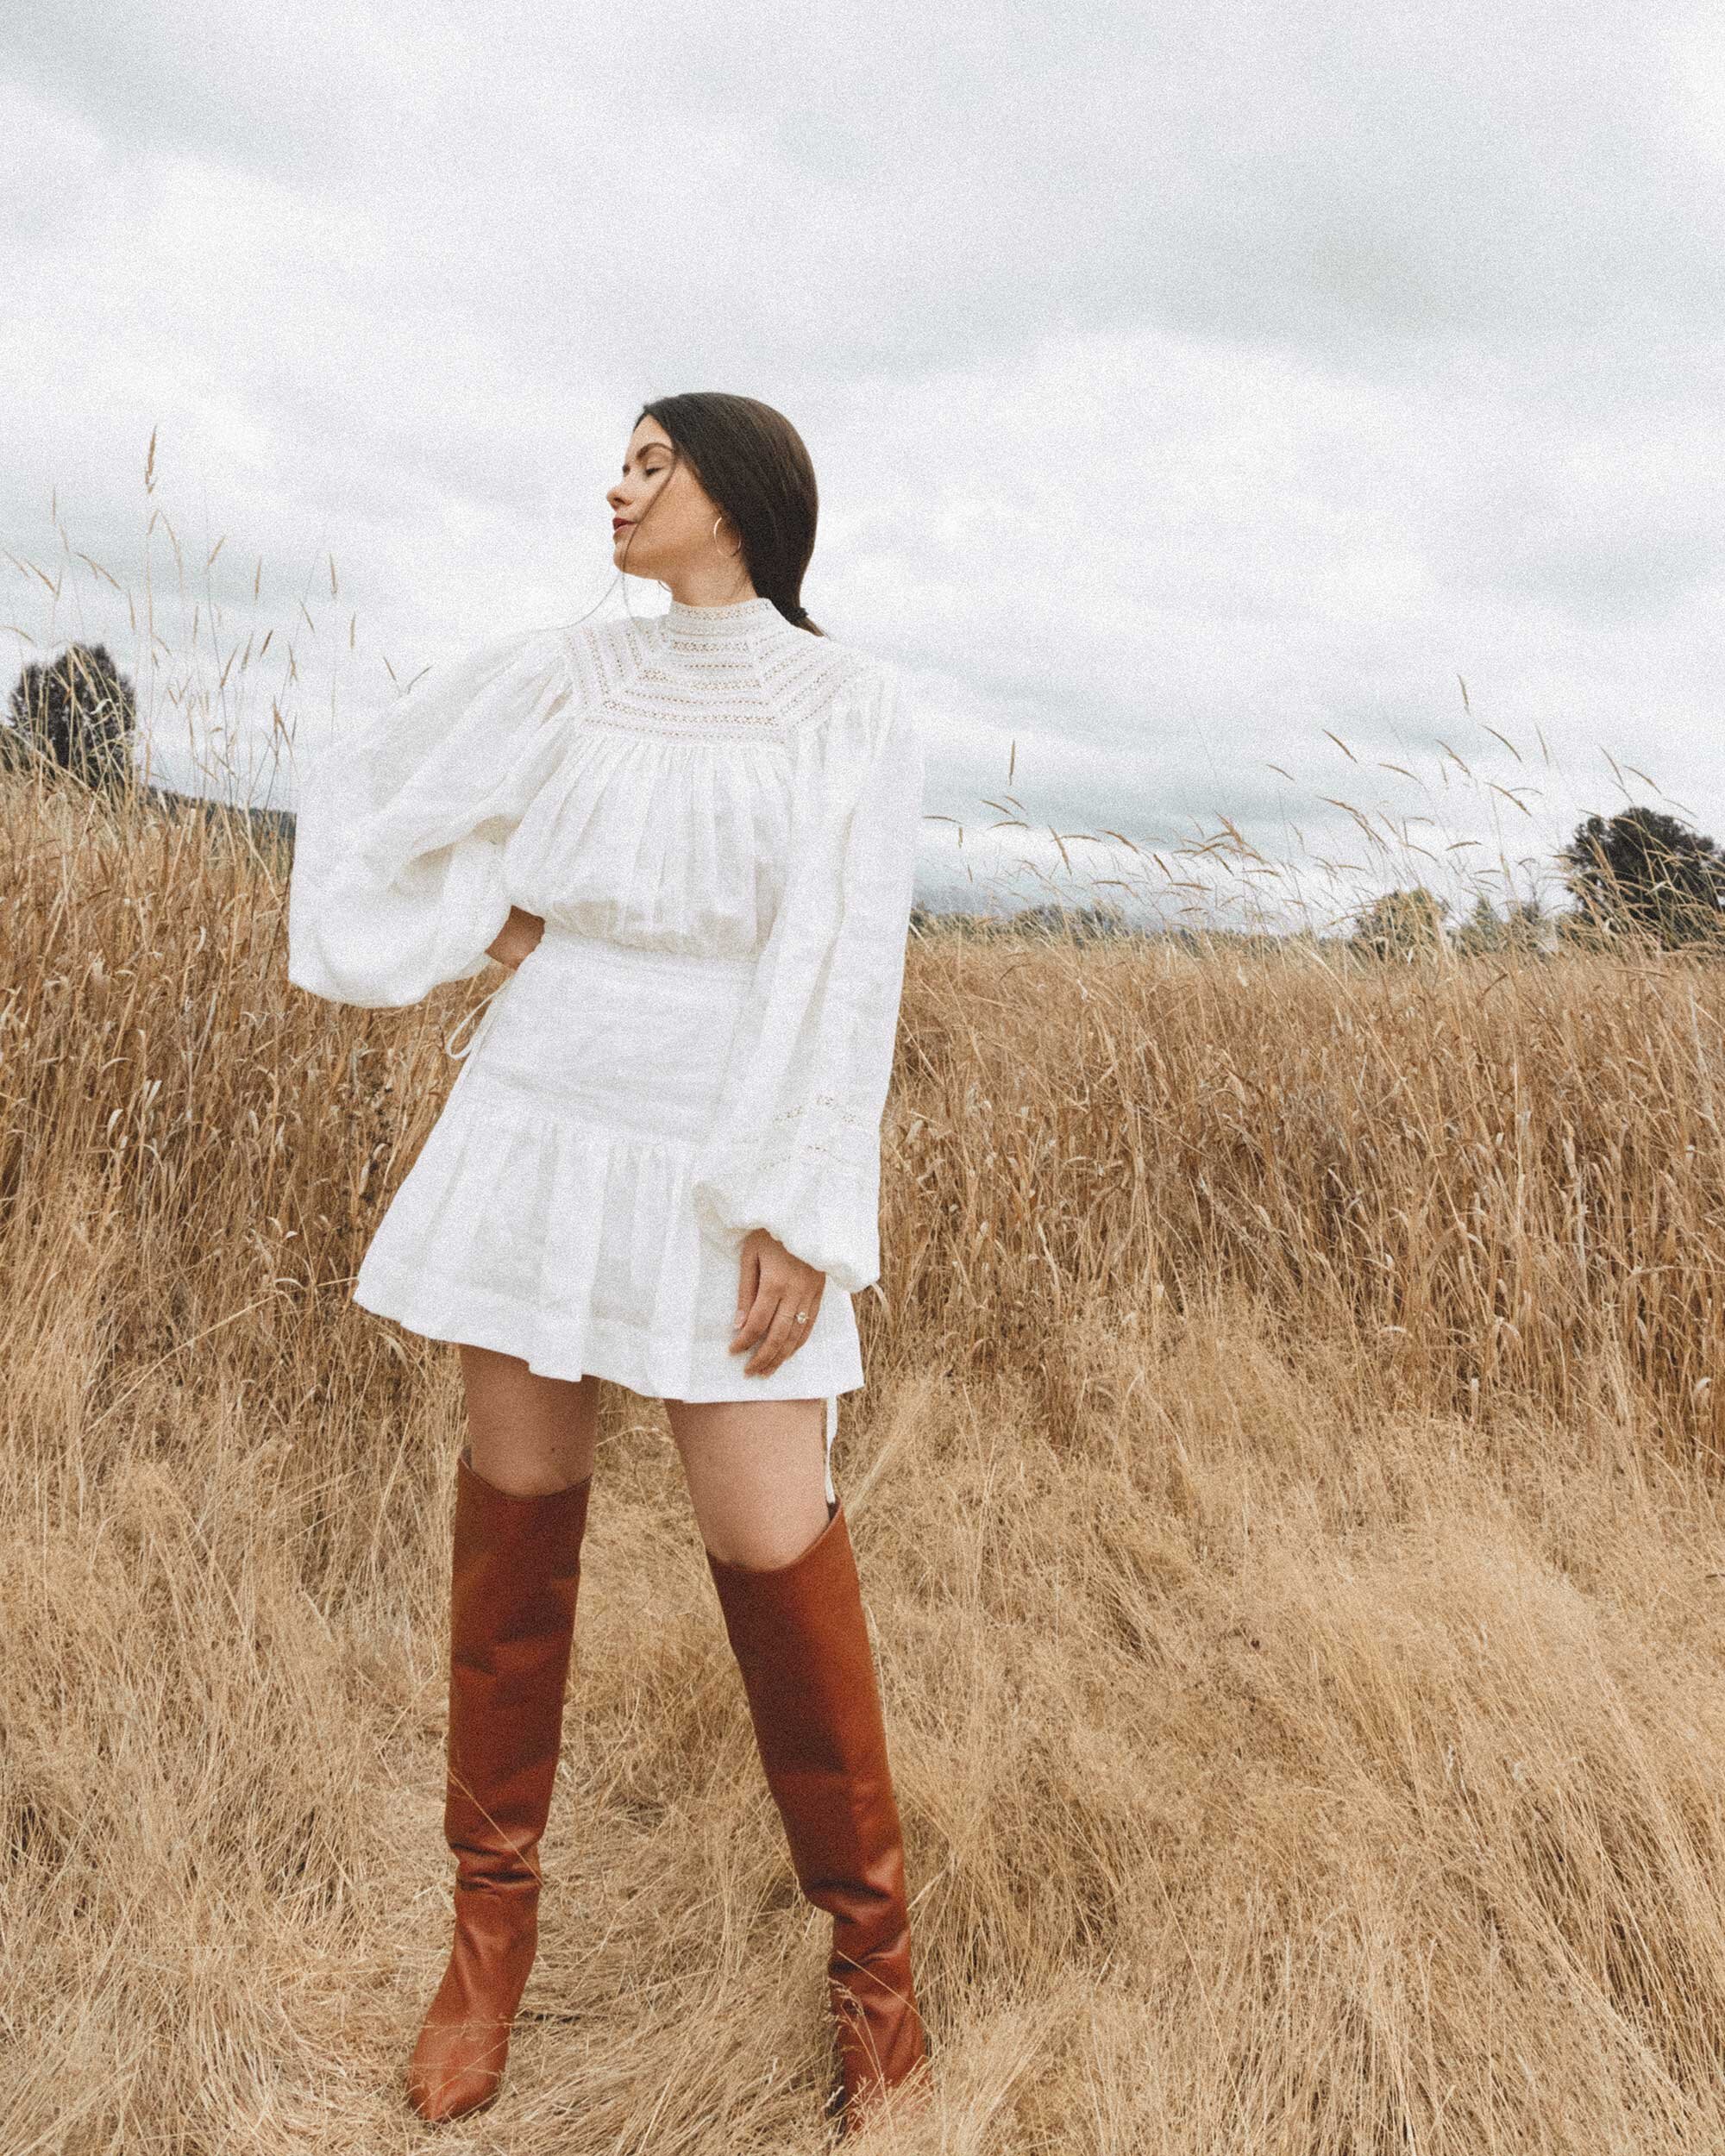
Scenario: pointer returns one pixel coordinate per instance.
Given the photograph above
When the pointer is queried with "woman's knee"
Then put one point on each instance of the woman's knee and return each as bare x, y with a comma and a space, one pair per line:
756, 1474
528, 1434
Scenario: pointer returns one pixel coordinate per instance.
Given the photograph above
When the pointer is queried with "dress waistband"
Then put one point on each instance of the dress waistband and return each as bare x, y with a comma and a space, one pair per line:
603, 951
599, 952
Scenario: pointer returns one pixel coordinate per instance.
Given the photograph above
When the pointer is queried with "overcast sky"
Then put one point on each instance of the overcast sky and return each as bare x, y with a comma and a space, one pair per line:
1185, 385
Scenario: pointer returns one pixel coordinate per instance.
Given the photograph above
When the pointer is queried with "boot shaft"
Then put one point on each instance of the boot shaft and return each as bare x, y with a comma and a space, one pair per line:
515, 1573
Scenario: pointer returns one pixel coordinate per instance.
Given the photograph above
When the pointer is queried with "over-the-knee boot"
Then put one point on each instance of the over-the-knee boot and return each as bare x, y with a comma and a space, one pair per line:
801, 1642
514, 1571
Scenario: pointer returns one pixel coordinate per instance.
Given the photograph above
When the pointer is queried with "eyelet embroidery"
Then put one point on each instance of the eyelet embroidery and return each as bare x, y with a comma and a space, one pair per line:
746, 680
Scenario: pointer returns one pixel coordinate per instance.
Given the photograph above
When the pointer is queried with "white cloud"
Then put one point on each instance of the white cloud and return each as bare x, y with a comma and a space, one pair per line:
1179, 390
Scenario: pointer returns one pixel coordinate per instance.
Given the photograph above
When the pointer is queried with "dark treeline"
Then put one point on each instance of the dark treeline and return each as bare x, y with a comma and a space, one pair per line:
1639, 877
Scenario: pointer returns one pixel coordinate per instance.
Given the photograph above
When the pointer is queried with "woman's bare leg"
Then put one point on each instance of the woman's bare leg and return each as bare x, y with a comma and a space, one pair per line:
756, 1472
528, 1434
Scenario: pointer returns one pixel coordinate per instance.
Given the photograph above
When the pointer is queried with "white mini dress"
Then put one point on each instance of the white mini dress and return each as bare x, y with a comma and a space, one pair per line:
716, 814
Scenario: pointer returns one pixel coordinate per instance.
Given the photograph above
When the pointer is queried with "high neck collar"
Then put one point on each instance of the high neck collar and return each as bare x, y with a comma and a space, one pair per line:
744, 619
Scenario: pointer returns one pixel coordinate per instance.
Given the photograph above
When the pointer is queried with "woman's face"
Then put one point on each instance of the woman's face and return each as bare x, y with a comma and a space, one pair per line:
668, 529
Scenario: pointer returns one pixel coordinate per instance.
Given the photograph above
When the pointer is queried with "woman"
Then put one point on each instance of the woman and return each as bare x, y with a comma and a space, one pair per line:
691, 839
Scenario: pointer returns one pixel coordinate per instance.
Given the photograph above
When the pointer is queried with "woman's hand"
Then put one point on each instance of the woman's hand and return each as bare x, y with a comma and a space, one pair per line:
774, 1287
518, 936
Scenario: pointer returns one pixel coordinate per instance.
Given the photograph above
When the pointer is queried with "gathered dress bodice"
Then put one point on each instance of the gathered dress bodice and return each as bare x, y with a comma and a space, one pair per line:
706, 782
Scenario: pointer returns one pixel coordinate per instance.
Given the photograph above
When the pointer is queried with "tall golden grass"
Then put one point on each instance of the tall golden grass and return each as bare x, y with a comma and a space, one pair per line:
1286, 1493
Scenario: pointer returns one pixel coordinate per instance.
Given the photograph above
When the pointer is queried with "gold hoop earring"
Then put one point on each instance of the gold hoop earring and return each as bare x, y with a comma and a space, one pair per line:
729, 553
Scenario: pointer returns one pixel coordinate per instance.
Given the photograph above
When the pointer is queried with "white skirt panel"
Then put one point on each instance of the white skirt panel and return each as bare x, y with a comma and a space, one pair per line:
548, 1213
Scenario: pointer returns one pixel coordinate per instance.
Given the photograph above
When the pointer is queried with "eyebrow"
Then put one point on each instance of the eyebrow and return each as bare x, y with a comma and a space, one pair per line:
645, 448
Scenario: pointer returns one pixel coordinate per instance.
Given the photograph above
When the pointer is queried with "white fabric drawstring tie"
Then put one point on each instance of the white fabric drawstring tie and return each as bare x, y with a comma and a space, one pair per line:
478, 1033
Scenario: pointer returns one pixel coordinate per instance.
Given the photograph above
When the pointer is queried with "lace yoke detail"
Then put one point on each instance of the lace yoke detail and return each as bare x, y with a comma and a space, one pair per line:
740, 674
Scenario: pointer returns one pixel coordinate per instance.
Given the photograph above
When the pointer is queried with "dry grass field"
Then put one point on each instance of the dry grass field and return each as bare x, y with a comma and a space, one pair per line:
1286, 1494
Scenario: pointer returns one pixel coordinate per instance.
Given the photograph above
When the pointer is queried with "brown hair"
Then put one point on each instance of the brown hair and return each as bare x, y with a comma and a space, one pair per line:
751, 460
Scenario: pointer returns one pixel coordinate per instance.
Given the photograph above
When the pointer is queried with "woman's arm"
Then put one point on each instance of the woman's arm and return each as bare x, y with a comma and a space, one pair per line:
796, 1146
518, 935
398, 882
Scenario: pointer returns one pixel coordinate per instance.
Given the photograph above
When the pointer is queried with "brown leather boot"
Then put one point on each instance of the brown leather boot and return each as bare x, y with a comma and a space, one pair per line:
801, 1642
515, 1568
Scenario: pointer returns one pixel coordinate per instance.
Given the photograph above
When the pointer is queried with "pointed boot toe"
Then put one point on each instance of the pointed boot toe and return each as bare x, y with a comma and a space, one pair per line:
463, 2048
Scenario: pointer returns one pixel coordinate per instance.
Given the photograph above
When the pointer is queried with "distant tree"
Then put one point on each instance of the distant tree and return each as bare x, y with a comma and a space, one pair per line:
76, 711
1643, 874
1528, 927
1483, 930
1523, 926
1400, 923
